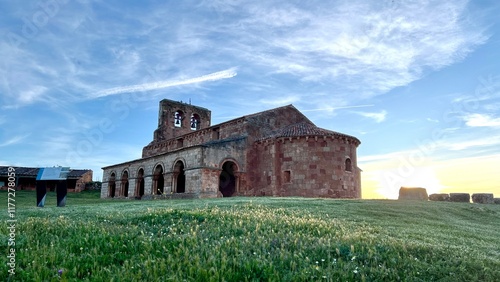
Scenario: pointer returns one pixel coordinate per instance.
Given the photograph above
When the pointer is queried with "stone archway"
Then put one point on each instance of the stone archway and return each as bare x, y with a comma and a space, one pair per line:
140, 184
179, 177
158, 180
112, 185
125, 183
227, 179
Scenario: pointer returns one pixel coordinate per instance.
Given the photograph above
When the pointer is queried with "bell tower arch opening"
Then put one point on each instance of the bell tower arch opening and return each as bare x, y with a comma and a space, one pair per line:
178, 117
195, 122
227, 179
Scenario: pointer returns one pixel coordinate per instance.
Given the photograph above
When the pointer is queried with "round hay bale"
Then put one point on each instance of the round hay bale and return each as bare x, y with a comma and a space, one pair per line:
413, 193
460, 197
483, 198
439, 197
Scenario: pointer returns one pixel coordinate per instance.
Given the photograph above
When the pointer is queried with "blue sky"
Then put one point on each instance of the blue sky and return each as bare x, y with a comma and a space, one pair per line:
418, 82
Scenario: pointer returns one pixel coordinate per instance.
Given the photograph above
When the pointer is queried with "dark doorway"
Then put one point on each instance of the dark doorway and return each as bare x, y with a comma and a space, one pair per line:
227, 181
158, 181
181, 177
112, 185
140, 183
125, 183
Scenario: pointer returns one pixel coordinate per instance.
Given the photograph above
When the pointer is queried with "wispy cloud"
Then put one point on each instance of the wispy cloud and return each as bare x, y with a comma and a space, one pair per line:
14, 140
387, 46
280, 100
166, 83
378, 117
319, 44
481, 142
330, 109
31, 95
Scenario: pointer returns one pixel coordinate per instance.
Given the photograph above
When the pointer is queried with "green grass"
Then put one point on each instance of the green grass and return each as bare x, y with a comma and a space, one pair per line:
252, 239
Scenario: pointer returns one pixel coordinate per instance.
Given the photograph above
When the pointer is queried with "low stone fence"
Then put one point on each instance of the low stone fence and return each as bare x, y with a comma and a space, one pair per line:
483, 198
439, 197
420, 194
478, 198
460, 197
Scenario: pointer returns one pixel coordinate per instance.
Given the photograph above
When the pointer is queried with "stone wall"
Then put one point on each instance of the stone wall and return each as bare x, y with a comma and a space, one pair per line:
84, 179
440, 197
483, 198
253, 126
460, 197
304, 166
190, 157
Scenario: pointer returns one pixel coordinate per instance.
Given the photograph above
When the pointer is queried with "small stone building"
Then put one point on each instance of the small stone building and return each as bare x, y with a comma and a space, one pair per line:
278, 152
26, 179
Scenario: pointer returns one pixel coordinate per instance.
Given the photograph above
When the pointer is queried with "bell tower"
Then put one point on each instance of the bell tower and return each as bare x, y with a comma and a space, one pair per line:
178, 118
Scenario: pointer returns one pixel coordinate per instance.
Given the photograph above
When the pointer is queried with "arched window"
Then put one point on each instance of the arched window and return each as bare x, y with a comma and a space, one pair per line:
195, 122
178, 116
348, 164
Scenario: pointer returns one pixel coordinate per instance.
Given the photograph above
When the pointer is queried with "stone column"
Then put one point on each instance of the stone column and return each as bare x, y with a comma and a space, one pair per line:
104, 189
148, 182
118, 188
237, 175
173, 178
131, 187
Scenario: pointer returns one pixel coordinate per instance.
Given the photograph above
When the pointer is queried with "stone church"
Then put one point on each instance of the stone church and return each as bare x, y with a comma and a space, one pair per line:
278, 152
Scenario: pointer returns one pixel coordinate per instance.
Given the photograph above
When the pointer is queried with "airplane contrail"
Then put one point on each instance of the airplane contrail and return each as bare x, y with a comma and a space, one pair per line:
166, 83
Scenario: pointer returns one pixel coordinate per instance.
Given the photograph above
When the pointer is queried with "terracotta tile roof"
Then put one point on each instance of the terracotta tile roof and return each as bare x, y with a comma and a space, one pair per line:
20, 171
305, 129
77, 173
33, 172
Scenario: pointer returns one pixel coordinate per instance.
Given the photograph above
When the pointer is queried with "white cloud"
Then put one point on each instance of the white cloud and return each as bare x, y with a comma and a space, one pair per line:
331, 109
388, 44
14, 140
481, 120
480, 142
166, 83
31, 95
378, 117
385, 47
278, 101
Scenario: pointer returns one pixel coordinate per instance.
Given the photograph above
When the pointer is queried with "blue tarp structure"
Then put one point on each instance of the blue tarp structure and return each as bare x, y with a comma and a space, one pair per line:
59, 174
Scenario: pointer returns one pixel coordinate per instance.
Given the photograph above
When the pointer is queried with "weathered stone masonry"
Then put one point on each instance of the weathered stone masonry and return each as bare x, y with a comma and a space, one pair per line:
278, 152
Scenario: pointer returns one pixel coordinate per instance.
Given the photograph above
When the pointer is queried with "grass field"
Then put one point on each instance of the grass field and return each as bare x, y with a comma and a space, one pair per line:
251, 239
